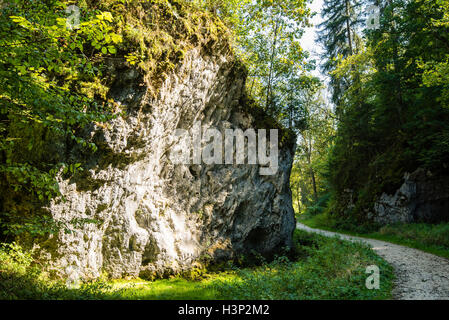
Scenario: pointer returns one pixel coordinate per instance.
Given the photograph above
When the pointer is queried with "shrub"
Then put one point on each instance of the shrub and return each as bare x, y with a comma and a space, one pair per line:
22, 278
331, 269
437, 235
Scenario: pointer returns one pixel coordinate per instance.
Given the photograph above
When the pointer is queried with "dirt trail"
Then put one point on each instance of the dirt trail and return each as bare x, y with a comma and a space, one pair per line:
419, 275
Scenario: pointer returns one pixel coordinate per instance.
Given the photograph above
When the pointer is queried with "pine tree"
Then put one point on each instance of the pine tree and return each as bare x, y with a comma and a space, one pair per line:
338, 34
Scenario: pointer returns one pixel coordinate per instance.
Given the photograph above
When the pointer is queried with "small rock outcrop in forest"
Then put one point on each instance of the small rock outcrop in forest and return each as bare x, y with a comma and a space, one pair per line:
153, 217
423, 197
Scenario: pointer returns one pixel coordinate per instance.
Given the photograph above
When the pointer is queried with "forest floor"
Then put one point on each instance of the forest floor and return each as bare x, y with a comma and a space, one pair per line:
318, 267
419, 275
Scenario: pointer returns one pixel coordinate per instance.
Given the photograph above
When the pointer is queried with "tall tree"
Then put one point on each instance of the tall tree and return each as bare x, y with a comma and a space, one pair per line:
395, 117
340, 39
315, 137
269, 43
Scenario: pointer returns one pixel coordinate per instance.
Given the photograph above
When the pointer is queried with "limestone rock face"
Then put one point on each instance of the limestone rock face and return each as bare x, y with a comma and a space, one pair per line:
157, 217
421, 198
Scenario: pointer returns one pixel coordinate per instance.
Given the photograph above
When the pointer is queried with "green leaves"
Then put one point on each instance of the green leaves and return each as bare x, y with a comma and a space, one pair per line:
267, 34
392, 104
106, 16
42, 99
100, 32
73, 168
268, 40
327, 268
21, 21
112, 50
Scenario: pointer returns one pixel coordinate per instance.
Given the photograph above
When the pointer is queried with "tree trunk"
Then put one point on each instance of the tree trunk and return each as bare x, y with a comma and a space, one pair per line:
270, 75
308, 145
348, 27
298, 197
312, 174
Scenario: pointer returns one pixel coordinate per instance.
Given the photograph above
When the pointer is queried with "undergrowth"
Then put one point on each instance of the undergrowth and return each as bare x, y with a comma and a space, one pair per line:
432, 238
328, 268
323, 268
21, 277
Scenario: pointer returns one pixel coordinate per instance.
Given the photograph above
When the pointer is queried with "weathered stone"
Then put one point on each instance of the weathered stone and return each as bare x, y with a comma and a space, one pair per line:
421, 198
155, 217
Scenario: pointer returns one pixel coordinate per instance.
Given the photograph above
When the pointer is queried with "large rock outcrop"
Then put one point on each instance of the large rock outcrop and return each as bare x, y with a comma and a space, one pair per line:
422, 197
155, 217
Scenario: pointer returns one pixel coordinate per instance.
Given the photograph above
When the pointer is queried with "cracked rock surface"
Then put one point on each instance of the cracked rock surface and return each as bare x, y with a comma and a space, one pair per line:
155, 217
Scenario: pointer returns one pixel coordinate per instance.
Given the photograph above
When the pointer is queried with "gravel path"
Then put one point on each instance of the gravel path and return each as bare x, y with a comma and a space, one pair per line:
419, 275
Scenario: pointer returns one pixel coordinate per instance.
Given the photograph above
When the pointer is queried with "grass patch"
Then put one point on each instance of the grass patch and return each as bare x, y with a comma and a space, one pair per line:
176, 288
431, 238
21, 277
328, 268
323, 268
